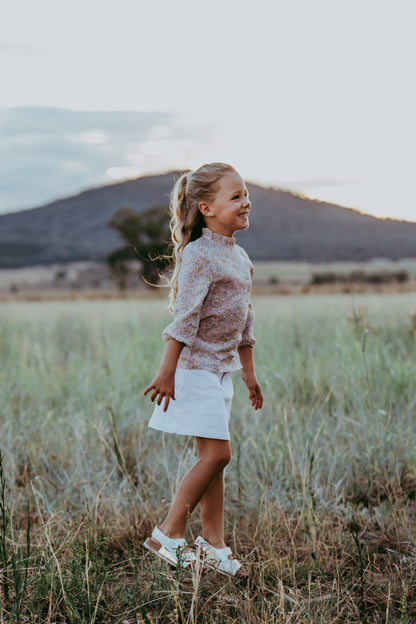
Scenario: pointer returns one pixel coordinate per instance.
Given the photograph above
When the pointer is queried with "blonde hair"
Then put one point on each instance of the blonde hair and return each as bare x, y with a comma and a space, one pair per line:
187, 221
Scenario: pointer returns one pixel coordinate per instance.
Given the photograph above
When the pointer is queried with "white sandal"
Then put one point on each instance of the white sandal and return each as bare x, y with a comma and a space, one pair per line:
220, 559
170, 549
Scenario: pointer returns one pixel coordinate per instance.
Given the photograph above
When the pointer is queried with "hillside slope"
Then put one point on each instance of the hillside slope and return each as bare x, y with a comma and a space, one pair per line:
283, 226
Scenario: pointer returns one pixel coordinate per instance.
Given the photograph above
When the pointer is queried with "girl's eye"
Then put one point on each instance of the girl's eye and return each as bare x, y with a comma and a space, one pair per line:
236, 196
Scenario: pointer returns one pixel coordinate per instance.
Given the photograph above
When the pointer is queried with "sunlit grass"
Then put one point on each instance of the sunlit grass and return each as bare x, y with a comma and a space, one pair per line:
320, 491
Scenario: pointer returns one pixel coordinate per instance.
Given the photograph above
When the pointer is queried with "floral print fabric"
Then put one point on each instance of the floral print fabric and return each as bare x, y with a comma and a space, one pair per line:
212, 314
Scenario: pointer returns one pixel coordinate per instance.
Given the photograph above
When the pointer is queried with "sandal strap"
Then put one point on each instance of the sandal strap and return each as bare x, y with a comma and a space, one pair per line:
170, 543
172, 549
218, 557
219, 554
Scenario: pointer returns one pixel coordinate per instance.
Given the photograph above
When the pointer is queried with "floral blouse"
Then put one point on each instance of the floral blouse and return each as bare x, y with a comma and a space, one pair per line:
212, 313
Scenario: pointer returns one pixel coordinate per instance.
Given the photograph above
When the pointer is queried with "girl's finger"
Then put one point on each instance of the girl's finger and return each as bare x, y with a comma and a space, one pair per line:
167, 399
148, 389
154, 395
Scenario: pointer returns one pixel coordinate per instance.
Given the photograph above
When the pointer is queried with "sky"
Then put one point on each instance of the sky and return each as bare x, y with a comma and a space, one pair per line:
316, 97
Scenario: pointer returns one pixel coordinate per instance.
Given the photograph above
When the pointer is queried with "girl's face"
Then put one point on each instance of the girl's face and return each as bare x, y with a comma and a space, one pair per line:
229, 210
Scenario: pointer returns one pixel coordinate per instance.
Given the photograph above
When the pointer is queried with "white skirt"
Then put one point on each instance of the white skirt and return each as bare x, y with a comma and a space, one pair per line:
202, 406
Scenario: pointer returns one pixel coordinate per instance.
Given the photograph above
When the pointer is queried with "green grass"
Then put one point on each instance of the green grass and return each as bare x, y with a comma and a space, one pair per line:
320, 497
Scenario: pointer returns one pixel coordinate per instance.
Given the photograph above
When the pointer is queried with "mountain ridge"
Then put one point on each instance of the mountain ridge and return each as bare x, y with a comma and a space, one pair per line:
283, 226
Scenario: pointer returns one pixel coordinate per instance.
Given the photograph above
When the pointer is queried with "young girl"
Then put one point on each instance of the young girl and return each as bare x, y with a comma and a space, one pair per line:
210, 336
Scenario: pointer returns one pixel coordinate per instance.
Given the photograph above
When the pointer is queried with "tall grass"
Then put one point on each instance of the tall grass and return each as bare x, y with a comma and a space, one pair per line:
320, 492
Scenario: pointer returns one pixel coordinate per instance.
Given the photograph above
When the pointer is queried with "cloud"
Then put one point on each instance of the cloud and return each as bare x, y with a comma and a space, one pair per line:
302, 185
48, 153
17, 49
95, 137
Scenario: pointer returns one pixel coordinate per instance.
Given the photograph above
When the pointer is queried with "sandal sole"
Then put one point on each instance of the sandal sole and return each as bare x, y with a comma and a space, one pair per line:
165, 555
215, 568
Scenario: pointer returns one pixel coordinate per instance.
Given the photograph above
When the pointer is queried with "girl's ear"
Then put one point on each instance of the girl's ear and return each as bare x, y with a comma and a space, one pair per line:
205, 209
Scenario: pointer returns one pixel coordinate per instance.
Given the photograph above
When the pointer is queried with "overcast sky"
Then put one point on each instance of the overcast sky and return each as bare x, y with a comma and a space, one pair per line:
315, 96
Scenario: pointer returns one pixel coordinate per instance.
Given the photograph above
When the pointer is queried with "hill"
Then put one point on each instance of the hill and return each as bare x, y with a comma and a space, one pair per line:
284, 226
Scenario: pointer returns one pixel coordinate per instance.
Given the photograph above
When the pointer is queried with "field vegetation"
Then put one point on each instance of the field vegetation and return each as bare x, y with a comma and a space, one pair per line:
321, 490
93, 280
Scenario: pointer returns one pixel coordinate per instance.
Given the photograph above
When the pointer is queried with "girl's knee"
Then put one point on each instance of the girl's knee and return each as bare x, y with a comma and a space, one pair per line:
226, 457
220, 459
222, 462
218, 463
216, 452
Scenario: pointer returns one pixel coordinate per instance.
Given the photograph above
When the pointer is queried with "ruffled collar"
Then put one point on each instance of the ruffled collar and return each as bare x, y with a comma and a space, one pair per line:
218, 238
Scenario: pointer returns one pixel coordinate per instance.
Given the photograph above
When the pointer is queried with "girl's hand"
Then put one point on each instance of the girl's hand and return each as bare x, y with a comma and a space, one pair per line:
164, 382
164, 386
254, 391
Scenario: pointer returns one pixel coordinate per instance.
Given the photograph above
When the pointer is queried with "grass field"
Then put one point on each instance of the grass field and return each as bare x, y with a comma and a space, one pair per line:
321, 490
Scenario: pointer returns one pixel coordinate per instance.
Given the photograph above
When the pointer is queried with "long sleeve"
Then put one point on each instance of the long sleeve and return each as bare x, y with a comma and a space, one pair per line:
212, 314
193, 283
247, 338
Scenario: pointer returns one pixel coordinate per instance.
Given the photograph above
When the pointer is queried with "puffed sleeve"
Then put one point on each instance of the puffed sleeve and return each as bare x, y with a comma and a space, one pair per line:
193, 283
247, 338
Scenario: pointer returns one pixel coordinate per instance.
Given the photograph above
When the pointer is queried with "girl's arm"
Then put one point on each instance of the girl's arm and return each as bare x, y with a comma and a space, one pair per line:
249, 376
193, 283
164, 382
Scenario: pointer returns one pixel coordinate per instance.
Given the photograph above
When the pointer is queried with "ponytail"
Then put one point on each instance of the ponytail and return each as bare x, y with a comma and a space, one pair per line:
187, 220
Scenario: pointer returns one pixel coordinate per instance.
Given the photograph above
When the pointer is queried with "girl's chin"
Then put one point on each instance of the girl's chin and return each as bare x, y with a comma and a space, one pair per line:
244, 224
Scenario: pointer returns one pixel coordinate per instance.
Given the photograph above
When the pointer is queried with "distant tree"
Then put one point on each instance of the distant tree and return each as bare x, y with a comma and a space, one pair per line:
146, 236
118, 263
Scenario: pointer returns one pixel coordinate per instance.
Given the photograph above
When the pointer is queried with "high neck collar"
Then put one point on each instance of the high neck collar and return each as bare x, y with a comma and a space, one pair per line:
218, 238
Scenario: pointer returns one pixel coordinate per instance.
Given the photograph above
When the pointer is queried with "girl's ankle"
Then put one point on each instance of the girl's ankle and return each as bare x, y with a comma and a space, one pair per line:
215, 542
172, 534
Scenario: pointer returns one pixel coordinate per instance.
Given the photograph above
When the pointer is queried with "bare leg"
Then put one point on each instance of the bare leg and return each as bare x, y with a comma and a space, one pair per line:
214, 455
212, 507
212, 512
